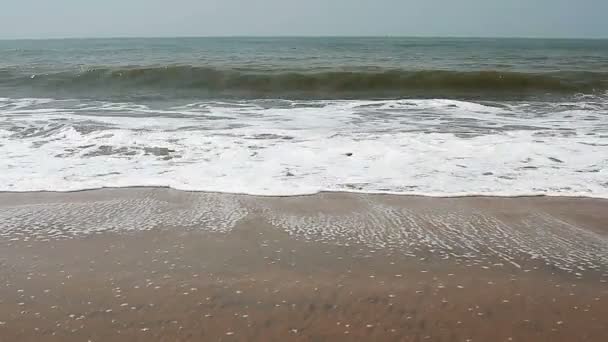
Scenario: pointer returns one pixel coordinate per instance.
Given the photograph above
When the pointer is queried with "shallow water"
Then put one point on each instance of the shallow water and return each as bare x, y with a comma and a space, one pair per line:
288, 116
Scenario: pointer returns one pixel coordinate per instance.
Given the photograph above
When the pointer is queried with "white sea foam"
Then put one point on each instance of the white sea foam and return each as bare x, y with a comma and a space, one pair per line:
428, 147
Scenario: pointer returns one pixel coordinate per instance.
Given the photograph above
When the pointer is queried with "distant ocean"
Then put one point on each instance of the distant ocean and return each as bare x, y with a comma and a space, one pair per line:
288, 116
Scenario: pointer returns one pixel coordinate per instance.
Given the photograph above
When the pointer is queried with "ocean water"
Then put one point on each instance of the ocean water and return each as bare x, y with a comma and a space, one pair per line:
288, 116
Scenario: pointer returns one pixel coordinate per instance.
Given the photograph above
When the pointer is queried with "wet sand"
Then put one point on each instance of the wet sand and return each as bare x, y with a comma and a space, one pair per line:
163, 265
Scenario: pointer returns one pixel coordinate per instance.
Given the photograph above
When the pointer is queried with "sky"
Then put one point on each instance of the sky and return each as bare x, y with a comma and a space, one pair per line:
171, 18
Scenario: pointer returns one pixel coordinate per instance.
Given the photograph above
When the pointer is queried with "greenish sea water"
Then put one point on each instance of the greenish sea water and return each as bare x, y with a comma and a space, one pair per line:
303, 68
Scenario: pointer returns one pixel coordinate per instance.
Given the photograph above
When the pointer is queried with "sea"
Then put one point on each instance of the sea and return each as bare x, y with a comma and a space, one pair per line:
294, 116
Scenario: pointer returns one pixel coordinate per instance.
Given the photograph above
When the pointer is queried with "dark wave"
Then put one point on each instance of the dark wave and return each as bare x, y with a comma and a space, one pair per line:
209, 82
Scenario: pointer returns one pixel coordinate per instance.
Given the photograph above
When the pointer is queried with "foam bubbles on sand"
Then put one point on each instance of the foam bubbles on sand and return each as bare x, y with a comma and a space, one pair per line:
276, 147
134, 210
462, 231
488, 232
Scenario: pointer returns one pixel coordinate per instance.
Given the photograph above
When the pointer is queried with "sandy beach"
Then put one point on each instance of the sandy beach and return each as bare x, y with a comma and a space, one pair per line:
155, 264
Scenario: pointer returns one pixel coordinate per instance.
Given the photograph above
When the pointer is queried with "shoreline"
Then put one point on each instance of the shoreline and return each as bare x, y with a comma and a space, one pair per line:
354, 192
571, 231
156, 264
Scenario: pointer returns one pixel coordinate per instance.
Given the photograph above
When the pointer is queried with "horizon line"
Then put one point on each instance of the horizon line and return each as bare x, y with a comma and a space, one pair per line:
300, 36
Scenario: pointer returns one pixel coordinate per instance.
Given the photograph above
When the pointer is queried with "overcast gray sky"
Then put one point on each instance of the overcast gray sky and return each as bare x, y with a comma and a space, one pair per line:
142, 18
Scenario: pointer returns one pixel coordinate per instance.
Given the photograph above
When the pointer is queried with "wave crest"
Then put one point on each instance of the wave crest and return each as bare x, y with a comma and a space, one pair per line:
206, 81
